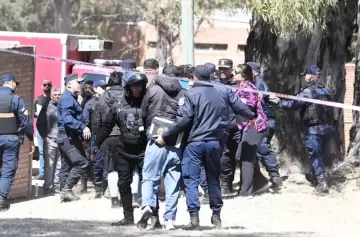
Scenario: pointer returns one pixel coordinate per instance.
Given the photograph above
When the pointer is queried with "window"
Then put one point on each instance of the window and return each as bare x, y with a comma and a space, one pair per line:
92, 77
152, 44
240, 48
216, 47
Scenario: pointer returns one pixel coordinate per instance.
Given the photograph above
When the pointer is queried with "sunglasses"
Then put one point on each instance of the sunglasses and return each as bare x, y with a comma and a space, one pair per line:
46, 84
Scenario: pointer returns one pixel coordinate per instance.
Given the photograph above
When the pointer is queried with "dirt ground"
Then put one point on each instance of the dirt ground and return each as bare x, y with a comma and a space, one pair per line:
295, 212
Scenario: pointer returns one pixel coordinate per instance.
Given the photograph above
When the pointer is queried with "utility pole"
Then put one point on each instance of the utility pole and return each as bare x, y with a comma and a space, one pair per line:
187, 31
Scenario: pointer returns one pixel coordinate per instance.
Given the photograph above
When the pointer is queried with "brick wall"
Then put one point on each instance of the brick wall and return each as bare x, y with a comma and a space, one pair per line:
348, 99
23, 67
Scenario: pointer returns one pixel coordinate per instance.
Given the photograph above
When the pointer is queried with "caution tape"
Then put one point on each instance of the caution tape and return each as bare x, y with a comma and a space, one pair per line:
63, 60
272, 94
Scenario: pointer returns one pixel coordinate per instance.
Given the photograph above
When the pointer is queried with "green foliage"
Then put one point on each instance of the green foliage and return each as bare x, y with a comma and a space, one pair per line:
290, 17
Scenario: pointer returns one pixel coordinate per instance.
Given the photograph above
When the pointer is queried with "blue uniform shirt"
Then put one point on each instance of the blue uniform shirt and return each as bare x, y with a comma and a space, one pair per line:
297, 104
20, 111
70, 114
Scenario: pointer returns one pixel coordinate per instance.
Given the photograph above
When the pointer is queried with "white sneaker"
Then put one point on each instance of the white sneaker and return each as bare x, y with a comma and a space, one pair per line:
169, 225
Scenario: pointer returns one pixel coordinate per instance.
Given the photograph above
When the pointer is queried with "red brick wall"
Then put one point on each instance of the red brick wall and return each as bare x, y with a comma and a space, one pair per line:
348, 99
23, 67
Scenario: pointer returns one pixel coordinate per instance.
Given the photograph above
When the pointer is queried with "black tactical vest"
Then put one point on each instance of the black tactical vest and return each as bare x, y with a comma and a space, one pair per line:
313, 114
130, 123
8, 121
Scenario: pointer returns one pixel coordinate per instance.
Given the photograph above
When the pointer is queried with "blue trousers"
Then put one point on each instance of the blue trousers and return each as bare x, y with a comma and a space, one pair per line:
315, 145
207, 153
98, 167
158, 162
265, 153
9, 152
40, 142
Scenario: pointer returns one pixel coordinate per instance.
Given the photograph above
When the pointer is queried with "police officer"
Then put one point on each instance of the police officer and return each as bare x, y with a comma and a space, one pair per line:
126, 114
318, 119
113, 94
73, 158
266, 154
14, 122
228, 161
205, 112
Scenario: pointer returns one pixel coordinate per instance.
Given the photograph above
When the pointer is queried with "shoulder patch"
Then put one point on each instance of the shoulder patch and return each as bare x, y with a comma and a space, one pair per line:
181, 101
24, 111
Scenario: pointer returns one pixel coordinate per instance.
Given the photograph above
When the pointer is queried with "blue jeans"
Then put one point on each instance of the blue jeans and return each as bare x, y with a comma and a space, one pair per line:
161, 161
265, 153
40, 142
195, 154
9, 152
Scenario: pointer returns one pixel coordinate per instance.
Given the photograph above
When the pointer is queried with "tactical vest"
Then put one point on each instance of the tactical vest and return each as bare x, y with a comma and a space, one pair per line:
313, 114
8, 121
130, 123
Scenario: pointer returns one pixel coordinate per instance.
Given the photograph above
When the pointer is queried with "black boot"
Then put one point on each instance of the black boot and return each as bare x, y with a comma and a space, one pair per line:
115, 203
67, 195
98, 191
194, 221
322, 186
83, 185
127, 221
216, 221
205, 197
4, 206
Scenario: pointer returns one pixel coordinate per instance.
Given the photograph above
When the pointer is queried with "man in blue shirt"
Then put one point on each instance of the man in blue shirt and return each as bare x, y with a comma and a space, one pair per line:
71, 130
319, 120
14, 122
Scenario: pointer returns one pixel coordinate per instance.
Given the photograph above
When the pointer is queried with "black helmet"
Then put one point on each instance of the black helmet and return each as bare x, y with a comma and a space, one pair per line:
134, 78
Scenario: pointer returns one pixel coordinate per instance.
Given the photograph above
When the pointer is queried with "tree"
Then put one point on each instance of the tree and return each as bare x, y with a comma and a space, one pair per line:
289, 35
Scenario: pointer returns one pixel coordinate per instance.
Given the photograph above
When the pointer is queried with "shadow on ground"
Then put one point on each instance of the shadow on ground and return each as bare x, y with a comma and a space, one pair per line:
71, 228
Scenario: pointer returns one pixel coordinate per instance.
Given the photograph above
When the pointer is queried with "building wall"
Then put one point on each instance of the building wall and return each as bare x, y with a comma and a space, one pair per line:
210, 44
23, 67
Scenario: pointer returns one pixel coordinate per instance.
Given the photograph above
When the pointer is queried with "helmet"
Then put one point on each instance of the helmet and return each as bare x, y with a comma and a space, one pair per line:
134, 78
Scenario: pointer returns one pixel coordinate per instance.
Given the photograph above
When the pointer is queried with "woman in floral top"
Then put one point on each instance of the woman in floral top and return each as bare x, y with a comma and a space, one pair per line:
252, 131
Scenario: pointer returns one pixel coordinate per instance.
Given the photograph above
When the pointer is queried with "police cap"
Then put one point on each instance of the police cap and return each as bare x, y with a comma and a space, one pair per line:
71, 77
128, 64
313, 70
9, 77
151, 63
254, 66
202, 73
225, 63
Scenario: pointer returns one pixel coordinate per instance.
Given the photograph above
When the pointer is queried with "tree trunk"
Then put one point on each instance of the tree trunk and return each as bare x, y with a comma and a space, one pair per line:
161, 46
283, 60
62, 16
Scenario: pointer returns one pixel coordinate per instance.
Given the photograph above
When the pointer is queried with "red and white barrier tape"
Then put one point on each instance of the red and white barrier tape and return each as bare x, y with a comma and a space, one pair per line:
309, 100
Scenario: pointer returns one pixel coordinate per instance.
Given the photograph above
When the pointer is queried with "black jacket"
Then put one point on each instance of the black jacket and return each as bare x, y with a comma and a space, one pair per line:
106, 100
162, 100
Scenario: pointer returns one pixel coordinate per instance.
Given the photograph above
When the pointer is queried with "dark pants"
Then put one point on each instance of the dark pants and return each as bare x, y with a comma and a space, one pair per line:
195, 154
246, 157
74, 163
98, 167
266, 155
228, 161
316, 144
9, 152
129, 158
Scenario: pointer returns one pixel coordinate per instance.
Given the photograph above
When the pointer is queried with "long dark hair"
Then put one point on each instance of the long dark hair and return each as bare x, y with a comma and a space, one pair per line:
245, 71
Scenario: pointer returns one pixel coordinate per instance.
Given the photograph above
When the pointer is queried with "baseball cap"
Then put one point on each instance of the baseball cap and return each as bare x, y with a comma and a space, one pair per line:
254, 66
99, 83
202, 73
171, 70
71, 77
128, 64
313, 70
151, 63
9, 77
225, 63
